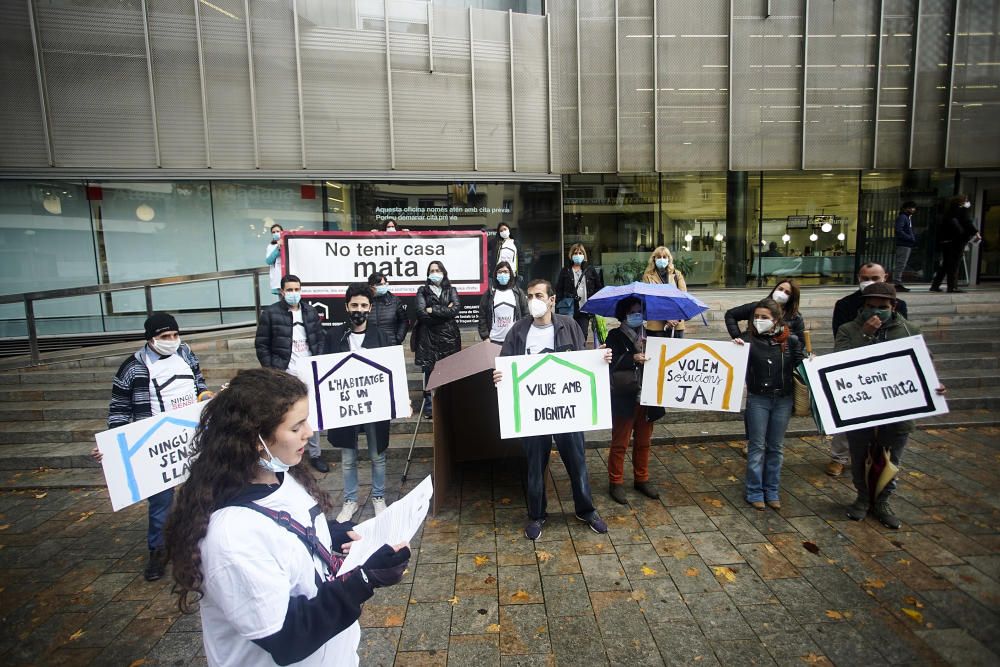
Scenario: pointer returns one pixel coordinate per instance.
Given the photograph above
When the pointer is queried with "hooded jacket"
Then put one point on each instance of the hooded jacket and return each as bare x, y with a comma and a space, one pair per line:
274, 334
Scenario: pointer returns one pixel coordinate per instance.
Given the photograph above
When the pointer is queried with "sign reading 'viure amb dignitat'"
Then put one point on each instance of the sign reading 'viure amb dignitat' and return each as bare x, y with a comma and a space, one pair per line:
876, 384
694, 374
327, 262
563, 392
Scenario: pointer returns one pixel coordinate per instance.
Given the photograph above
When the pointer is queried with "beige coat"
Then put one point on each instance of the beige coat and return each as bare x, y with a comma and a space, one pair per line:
676, 279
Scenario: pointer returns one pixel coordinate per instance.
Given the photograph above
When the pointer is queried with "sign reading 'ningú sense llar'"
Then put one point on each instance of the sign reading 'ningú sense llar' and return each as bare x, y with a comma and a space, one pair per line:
694, 374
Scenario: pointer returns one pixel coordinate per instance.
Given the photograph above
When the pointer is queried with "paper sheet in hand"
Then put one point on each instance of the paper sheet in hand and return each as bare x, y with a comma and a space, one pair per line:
398, 523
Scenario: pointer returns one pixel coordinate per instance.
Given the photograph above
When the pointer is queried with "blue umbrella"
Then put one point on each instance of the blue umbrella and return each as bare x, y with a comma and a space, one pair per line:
660, 302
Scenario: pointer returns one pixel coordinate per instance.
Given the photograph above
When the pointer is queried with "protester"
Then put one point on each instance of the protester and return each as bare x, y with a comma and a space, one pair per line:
249, 539
774, 353
436, 335
359, 333
955, 230
786, 295
289, 332
389, 226
545, 331
845, 310
660, 270
162, 375
906, 241
388, 310
502, 304
876, 322
576, 283
506, 248
628, 418
272, 256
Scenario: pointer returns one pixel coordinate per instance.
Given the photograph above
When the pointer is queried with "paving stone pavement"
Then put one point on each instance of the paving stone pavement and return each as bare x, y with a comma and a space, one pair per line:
697, 577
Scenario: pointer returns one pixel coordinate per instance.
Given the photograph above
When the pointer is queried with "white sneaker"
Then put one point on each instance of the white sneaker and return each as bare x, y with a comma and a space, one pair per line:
379, 505
349, 510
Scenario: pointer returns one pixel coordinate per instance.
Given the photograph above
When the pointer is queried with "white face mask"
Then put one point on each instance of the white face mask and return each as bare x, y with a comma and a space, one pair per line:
538, 308
505, 234
865, 283
275, 465
967, 204
763, 326
780, 297
166, 347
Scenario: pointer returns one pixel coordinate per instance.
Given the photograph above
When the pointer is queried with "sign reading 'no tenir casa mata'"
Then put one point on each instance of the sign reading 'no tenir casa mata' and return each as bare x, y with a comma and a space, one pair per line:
694, 374
543, 394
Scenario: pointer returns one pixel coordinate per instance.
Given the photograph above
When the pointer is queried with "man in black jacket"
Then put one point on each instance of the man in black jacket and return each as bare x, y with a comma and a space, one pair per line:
289, 332
545, 331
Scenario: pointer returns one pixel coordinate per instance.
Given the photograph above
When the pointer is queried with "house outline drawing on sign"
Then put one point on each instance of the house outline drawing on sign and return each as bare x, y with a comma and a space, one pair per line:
128, 452
518, 379
664, 362
353, 355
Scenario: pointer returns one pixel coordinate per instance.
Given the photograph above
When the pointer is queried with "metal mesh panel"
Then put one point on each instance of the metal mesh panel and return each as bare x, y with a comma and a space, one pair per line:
564, 111
273, 37
227, 80
597, 65
767, 85
897, 77
932, 84
840, 85
95, 67
975, 131
693, 69
635, 86
493, 135
530, 93
344, 95
173, 42
22, 141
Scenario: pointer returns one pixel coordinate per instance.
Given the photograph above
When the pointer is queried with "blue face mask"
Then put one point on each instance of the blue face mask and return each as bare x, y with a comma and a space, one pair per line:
275, 235
436, 277
634, 320
381, 290
661, 263
293, 298
274, 465
503, 278
578, 259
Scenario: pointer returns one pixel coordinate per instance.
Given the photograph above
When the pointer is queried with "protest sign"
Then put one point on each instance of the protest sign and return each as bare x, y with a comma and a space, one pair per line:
397, 524
360, 387
549, 393
875, 384
694, 374
148, 456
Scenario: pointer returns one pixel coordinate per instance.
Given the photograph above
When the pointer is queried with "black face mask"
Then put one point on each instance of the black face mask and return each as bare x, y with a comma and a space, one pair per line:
358, 317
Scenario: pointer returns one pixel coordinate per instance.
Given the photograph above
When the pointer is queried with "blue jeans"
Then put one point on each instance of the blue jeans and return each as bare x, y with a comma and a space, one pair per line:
159, 510
766, 422
349, 459
537, 450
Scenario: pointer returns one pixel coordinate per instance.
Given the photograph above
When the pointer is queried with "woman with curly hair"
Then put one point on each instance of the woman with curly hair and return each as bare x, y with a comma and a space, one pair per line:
251, 545
660, 269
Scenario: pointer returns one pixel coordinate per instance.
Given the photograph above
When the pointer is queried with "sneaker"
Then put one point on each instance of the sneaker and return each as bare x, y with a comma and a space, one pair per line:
349, 509
885, 516
318, 463
379, 505
596, 523
156, 566
534, 529
646, 489
834, 468
617, 493
858, 509
902, 288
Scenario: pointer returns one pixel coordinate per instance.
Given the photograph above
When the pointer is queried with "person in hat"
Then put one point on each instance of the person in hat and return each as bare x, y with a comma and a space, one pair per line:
877, 322
161, 376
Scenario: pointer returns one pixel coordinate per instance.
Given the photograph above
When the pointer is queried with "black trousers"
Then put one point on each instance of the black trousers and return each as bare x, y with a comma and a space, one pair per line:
951, 256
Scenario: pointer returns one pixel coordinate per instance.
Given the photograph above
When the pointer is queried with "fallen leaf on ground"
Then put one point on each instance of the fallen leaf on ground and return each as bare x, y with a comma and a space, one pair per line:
41, 495
85, 515
810, 547
813, 659
727, 573
770, 549
493, 627
76, 635
505, 501
520, 595
873, 583
909, 599
543, 556
137, 663
481, 560
732, 478
914, 473
714, 502
453, 600
914, 614
834, 614
691, 572
5, 526
638, 596
490, 579
648, 571
903, 561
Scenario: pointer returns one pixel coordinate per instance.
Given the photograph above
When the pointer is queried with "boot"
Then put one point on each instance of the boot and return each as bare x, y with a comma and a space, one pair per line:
857, 510
156, 565
646, 489
617, 493
885, 516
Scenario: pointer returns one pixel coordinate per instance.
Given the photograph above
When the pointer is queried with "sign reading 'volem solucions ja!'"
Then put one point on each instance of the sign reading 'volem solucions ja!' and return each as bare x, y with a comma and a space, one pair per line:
873, 385
557, 392
694, 374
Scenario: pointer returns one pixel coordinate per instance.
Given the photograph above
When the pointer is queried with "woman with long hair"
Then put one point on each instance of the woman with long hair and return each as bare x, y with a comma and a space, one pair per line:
250, 542
774, 354
661, 270
506, 248
577, 282
437, 334
786, 295
502, 304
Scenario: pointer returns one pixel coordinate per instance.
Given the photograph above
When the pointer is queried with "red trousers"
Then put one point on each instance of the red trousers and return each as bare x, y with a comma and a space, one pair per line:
621, 431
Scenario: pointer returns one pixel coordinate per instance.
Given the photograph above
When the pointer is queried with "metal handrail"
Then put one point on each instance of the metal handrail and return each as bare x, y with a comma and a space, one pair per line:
29, 298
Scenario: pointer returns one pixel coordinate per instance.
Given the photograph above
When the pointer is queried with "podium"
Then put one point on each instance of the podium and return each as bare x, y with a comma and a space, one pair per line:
466, 419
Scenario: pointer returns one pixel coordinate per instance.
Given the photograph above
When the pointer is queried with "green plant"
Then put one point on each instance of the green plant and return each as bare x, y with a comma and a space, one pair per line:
627, 272
684, 263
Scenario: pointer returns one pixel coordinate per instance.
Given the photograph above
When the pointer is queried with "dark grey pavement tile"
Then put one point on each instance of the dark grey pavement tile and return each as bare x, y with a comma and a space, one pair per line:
714, 548
718, 616
566, 595
520, 584
427, 627
626, 636
524, 629
604, 573
683, 643
474, 615
742, 652
378, 646
576, 640
778, 630
479, 650
433, 582
957, 647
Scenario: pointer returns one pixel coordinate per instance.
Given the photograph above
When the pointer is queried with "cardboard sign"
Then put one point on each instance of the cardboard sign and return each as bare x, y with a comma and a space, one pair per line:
360, 387
148, 456
551, 393
694, 374
875, 384
327, 262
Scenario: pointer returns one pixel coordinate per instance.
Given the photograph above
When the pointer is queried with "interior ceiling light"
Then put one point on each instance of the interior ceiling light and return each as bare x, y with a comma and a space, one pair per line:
786, 238
688, 238
827, 227
145, 212
841, 236
52, 204
719, 237
813, 237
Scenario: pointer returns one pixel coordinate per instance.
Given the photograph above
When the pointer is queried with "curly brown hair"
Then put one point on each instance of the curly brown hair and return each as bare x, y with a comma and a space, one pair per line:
225, 459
